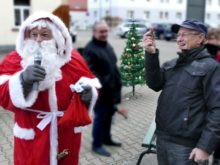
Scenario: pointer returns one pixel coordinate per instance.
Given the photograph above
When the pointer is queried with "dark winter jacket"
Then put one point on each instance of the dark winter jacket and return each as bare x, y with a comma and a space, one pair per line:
188, 110
102, 60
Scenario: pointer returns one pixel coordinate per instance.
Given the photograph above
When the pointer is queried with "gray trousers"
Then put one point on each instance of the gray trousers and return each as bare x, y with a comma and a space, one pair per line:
169, 153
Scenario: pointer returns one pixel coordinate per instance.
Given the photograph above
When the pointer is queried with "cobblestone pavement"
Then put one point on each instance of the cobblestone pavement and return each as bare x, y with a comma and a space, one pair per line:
129, 131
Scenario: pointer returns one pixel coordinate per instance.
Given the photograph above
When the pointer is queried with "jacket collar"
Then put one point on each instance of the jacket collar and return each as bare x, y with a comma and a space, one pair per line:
192, 54
99, 43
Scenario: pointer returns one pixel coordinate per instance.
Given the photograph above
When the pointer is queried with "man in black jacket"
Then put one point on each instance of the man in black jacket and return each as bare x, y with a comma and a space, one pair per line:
188, 111
102, 60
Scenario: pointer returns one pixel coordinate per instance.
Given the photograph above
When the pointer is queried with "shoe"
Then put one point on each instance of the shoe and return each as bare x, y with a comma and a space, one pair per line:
112, 143
101, 151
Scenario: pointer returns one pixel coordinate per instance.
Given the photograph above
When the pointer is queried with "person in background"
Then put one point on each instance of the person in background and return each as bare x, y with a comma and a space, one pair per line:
213, 46
35, 82
213, 43
188, 110
102, 61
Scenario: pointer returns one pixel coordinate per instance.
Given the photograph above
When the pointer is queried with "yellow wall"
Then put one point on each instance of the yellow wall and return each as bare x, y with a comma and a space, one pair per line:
7, 22
7, 36
45, 5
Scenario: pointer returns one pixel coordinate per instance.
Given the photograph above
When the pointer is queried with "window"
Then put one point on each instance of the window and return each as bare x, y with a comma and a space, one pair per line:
161, 15
208, 16
107, 13
130, 14
95, 14
21, 11
166, 15
179, 15
147, 14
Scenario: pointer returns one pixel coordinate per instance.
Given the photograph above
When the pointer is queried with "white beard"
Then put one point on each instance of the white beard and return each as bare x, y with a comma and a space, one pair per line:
51, 61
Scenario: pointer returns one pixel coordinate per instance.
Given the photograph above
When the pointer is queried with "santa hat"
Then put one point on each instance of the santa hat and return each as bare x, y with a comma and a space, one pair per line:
59, 31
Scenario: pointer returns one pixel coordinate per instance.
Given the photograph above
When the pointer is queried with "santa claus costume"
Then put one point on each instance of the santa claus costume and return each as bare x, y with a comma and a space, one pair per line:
47, 121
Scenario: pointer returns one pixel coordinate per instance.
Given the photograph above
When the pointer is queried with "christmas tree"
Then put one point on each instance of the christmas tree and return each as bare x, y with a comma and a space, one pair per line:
132, 60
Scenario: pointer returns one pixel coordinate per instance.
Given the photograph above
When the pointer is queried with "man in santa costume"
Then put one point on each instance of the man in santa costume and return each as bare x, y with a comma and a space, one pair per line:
50, 89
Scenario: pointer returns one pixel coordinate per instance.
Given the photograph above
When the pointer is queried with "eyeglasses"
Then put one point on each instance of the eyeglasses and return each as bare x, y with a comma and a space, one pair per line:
186, 34
40, 34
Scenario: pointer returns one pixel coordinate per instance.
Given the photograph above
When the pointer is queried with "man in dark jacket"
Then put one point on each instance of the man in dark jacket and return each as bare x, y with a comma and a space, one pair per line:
188, 111
102, 60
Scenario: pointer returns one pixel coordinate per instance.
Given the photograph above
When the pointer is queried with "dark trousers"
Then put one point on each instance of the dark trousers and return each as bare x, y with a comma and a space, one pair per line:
102, 123
169, 153
216, 154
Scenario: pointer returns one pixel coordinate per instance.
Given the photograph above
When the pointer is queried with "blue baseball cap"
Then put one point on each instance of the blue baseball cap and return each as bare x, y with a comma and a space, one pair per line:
191, 24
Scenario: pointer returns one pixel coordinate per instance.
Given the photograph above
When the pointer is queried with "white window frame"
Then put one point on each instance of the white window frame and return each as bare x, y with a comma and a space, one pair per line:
218, 16
161, 15
21, 9
147, 14
130, 14
180, 1
179, 15
95, 13
208, 16
107, 13
166, 15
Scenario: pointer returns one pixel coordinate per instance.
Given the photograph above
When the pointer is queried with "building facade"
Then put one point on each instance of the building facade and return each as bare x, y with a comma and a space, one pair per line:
153, 11
212, 15
79, 13
85, 12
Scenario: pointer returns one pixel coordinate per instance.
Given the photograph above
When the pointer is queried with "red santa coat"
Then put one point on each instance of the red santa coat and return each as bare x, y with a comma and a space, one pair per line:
33, 146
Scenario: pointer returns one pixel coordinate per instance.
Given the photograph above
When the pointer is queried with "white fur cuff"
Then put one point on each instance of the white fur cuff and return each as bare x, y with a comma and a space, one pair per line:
4, 78
23, 133
16, 93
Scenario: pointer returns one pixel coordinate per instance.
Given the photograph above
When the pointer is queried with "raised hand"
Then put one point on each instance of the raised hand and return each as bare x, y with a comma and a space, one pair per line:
149, 41
33, 73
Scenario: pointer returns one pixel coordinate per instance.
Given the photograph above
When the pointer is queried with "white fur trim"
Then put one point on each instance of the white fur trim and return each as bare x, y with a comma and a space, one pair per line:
60, 26
53, 98
78, 129
53, 127
83, 81
23, 133
16, 93
93, 83
4, 78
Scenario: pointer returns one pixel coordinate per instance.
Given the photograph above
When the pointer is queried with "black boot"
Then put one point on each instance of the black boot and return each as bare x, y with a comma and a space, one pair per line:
112, 143
101, 151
